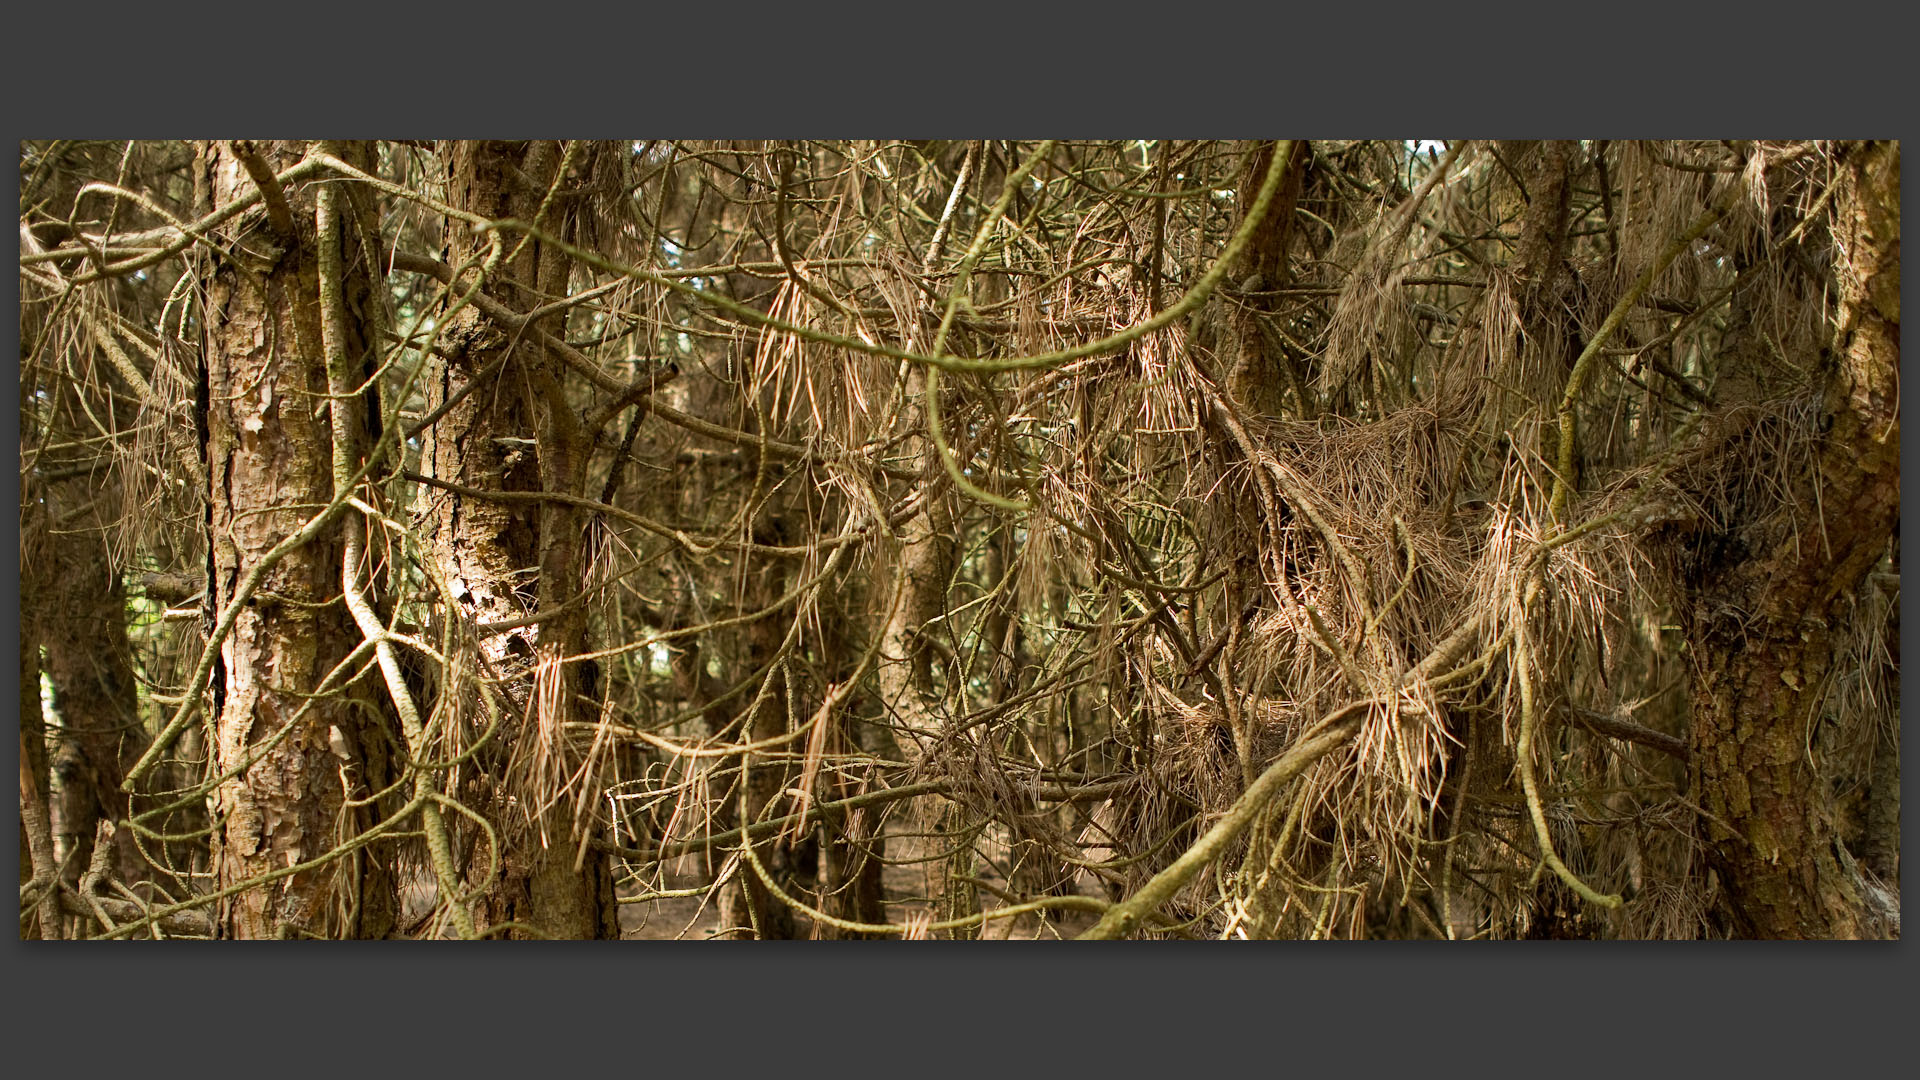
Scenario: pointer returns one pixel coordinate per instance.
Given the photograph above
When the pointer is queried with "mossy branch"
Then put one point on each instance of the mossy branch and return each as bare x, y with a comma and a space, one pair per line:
1333, 732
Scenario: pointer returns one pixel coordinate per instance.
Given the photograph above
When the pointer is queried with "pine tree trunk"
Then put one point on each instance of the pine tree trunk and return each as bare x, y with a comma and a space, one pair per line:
82, 610
270, 463
1763, 630
769, 773
37, 861
516, 432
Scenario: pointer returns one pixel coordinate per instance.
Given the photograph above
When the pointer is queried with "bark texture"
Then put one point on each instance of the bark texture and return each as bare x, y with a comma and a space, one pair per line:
516, 431
37, 863
768, 773
82, 610
924, 558
1764, 629
1264, 367
269, 460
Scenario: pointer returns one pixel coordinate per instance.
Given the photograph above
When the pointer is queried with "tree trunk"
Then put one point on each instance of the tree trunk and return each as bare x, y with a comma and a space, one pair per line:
768, 774
1763, 629
517, 432
82, 611
270, 463
922, 567
924, 557
1263, 368
36, 834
